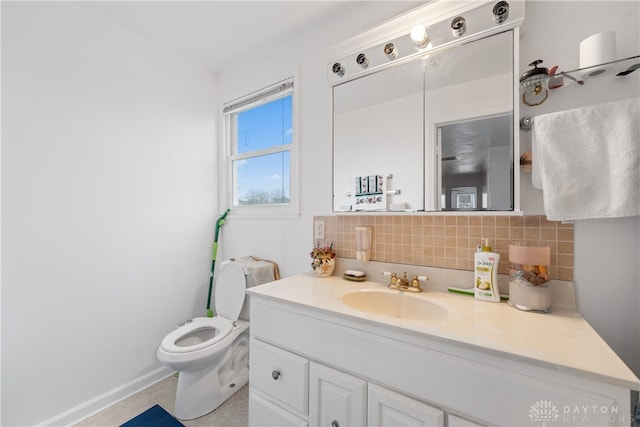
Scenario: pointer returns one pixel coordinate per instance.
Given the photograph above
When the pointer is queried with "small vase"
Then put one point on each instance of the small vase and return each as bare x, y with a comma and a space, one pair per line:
324, 267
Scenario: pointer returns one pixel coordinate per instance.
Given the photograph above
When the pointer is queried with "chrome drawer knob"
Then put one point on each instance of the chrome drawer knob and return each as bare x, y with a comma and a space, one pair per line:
275, 374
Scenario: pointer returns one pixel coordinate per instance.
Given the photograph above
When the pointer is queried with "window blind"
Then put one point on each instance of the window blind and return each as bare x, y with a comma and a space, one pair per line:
268, 94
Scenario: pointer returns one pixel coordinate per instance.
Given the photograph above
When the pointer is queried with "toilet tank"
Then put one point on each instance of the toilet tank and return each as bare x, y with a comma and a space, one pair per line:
256, 273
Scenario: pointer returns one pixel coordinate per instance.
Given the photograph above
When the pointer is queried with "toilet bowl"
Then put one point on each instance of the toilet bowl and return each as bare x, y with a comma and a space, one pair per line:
211, 354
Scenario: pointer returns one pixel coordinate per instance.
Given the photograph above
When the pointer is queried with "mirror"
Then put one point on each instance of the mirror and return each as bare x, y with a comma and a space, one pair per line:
434, 133
377, 126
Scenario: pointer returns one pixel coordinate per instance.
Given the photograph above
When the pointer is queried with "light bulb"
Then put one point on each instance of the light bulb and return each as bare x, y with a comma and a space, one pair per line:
419, 35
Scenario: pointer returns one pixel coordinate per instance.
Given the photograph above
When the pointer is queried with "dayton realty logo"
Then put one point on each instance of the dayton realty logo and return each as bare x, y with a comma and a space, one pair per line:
543, 411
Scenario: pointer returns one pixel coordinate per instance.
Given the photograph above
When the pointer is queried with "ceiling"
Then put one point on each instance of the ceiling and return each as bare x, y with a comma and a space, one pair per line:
221, 33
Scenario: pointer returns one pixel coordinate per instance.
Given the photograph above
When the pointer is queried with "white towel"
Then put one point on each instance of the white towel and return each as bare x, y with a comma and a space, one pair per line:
587, 161
260, 271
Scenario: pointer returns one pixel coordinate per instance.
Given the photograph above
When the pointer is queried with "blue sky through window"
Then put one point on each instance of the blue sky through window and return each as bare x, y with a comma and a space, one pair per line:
266, 126
264, 179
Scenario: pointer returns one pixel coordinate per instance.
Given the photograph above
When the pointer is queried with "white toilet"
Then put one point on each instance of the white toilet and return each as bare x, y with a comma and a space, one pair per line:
211, 354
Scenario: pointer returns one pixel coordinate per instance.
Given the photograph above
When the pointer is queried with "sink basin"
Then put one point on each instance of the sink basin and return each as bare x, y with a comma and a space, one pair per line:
395, 305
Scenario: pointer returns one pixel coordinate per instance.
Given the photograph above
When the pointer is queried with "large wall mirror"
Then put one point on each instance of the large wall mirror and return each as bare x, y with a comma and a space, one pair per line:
433, 133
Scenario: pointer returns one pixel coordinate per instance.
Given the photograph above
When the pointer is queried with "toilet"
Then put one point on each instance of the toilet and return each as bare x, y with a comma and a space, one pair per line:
211, 354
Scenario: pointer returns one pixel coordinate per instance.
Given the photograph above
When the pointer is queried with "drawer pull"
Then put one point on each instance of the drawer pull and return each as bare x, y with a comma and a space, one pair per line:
275, 374
334, 423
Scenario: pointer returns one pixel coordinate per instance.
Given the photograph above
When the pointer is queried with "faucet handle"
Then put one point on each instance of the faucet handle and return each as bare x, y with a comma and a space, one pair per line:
393, 278
415, 283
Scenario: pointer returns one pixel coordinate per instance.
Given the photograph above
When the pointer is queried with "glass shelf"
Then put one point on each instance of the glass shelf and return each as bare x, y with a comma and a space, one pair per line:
620, 67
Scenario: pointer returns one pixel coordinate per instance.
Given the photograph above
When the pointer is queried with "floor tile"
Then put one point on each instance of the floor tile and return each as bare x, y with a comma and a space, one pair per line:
121, 412
232, 413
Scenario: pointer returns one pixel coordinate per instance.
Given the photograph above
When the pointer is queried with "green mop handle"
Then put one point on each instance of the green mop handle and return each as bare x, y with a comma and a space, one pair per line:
214, 253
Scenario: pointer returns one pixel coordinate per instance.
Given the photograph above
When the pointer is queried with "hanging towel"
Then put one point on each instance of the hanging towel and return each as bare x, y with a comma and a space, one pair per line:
276, 269
260, 271
370, 192
587, 161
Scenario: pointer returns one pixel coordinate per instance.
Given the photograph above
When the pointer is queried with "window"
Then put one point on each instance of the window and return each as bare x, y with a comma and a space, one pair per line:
260, 138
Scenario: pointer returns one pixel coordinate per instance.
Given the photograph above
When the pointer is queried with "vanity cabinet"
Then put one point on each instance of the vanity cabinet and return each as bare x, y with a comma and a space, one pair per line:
335, 398
287, 389
315, 363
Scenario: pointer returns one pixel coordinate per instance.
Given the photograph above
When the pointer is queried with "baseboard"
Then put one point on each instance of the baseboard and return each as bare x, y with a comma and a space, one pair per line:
99, 403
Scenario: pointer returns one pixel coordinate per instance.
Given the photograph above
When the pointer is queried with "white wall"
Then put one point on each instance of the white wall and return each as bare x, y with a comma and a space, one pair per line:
108, 204
288, 241
552, 31
607, 251
109, 186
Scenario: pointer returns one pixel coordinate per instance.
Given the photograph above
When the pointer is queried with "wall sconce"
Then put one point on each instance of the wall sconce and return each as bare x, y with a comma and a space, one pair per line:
500, 12
362, 60
419, 35
458, 26
338, 69
532, 82
390, 50
363, 243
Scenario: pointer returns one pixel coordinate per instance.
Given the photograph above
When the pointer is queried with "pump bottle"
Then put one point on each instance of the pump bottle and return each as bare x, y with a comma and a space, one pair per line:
486, 273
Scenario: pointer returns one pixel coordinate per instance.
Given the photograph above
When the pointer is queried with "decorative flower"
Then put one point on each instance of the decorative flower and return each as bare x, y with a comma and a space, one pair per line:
321, 256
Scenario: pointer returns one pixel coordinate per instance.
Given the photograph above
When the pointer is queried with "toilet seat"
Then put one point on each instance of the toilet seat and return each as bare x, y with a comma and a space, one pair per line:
229, 298
221, 328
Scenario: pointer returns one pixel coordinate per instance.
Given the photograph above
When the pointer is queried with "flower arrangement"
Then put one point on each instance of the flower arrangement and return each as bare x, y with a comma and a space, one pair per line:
323, 259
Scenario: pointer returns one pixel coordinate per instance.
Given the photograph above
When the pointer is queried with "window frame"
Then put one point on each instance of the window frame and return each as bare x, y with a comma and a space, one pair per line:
270, 93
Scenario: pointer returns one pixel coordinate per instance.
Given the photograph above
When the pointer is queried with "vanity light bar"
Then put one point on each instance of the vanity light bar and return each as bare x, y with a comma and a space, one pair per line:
458, 28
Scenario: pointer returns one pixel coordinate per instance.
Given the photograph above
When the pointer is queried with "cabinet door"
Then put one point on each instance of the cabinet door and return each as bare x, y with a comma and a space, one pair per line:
456, 421
336, 399
390, 409
263, 413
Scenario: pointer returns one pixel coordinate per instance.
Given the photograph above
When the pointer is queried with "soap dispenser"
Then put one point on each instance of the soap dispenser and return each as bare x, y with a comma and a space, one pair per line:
486, 274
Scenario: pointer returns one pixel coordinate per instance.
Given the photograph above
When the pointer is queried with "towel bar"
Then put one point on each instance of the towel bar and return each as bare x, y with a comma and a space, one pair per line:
525, 123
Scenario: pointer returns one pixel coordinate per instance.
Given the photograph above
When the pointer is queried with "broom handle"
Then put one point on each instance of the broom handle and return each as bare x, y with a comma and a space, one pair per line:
214, 253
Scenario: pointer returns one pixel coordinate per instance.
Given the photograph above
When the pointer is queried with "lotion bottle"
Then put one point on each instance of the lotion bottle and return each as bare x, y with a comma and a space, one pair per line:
486, 274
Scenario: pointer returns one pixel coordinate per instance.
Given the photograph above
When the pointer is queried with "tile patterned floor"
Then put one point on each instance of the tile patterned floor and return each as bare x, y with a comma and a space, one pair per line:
232, 413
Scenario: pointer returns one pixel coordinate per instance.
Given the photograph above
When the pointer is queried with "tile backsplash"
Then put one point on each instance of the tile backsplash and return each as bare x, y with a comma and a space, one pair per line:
450, 241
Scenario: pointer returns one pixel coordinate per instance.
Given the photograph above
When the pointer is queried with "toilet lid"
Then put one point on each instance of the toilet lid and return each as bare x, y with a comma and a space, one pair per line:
229, 290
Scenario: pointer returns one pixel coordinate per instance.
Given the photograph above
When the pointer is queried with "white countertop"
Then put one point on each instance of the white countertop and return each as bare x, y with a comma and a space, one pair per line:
561, 340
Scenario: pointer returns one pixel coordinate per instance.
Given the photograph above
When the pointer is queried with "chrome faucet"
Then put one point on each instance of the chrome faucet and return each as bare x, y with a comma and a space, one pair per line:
403, 284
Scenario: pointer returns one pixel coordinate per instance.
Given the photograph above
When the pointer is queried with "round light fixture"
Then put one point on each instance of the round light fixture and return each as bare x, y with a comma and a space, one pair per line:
419, 35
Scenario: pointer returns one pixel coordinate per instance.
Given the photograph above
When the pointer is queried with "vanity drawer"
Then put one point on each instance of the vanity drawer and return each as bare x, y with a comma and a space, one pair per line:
280, 374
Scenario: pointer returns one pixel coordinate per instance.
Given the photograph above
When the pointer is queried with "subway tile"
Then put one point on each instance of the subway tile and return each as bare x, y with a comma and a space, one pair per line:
565, 247
426, 240
462, 220
532, 221
532, 233
502, 232
463, 242
565, 234
502, 221
516, 221
488, 221
516, 233
548, 234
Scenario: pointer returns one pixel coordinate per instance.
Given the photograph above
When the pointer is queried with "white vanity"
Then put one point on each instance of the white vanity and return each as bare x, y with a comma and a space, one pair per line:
328, 352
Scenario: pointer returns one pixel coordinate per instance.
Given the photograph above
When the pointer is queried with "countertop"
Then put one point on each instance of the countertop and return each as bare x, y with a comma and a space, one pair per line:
561, 340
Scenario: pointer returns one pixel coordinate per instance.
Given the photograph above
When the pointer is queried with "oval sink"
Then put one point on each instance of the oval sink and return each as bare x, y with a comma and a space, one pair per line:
399, 306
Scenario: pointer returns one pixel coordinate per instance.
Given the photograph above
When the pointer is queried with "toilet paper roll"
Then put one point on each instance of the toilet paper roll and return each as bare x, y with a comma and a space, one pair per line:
597, 49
